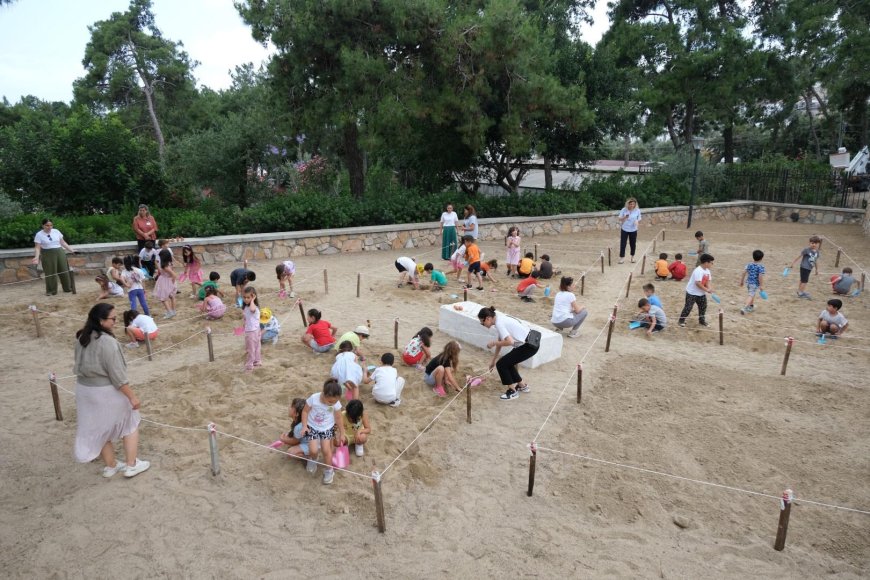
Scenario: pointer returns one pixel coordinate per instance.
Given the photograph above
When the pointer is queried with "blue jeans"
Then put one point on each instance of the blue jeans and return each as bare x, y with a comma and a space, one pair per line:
138, 294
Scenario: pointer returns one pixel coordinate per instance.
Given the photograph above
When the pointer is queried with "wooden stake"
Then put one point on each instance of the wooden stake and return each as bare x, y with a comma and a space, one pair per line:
582, 283
52, 382
35, 314
536, 252
788, 342
148, 347
602, 260
213, 449
628, 286
608, 259
837, 260
643, 265
210, 344
468, 403
663, 235
302, 312
579, 383
784, 513
369, 324
721, 332
325, 282
615, 309
609, 333
863, 277
465, 294
533, 449
654, 245
72, 280
358, 279
396, 334
379, 502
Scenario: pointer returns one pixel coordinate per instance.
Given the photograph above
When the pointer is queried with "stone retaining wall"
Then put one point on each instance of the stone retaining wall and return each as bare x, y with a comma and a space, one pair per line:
15, 265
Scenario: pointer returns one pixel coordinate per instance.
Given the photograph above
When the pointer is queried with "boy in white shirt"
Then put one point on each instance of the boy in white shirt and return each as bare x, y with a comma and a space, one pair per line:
697, 289
388, 385
832, 323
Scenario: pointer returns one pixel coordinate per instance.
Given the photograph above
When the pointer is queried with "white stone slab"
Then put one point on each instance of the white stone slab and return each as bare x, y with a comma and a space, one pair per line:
463, 325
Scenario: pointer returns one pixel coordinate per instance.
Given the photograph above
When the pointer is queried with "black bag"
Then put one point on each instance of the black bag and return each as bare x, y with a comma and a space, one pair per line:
534, 339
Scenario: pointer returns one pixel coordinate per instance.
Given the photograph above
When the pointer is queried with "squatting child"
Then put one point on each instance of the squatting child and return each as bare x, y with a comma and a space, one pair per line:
324, 426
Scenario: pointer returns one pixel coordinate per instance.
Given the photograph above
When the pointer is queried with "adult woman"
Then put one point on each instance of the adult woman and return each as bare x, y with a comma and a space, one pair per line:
629, 216
566, 312
50, 245
145, 227
525, 343
106, 405
469, 223
448, 232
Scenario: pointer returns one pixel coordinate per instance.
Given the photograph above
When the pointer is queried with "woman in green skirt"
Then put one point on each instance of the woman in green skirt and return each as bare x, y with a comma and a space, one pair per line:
51, 246
448, 232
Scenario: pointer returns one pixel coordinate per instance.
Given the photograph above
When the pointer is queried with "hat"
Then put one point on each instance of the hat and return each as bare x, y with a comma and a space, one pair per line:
265, 315
362, 330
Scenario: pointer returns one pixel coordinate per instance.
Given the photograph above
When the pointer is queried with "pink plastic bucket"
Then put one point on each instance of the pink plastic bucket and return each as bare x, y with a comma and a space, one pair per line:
341, 457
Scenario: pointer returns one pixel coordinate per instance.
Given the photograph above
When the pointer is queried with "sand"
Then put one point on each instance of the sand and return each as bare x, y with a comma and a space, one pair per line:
455, 501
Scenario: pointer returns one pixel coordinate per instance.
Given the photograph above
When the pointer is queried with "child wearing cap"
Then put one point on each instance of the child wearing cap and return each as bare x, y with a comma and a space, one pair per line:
269, 326
355, 337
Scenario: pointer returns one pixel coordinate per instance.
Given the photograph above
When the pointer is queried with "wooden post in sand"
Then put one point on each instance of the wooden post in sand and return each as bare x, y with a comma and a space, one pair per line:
788, 342
148, 347
325, 282
213, 449
468, 403
784, 513
721, 332
608, 259
465, 294
602, 260
52, 382
663, 235
396, 334
533, 450
863, 278
358, 277
536, 252
628, 286
610, 332
582, 283
302, 313
210, 344
379, 502
654, 245
837, 260
643, 265
35, 314
579, 383
72, 280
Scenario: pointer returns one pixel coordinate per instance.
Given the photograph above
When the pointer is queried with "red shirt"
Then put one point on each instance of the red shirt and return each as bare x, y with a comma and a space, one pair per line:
678, 270
320, 332
145, 224
525, 283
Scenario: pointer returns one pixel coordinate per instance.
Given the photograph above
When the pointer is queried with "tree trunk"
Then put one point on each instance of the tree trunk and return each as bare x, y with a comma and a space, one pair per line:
672, 131
148, 90
353, 159
548, 173
728, 138
627, 151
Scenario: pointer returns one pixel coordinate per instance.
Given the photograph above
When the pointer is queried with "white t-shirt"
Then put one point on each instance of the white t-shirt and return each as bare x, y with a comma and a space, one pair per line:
48, 241
837, 318
133, 278
699, 275
321, 417
346, 368
148, 255
449, 219
562, 306
144, 323
507, 326
471, 224
409, 265
289, 267
630, 225
384, 387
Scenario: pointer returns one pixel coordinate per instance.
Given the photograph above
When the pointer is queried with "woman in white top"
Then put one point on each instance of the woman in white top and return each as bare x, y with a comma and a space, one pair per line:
566, 312
629, 216
50, 245
469, 224
511, 333
448, 232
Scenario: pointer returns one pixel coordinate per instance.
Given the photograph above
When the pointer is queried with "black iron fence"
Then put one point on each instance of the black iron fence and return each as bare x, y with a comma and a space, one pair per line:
788, 185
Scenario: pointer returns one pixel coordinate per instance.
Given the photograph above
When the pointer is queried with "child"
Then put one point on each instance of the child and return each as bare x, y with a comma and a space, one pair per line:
662, 270
753, 275
566, 312
809, 259
320, 335
513, 251
545, 270
269, 327
457, 262
417, 351
440, 370
212, 282
192, 270
252, 328
239, 278
355, 337
111, 283
298, 445
166, 287
356, 426
651, 317
138, 326
677, 268
842, 283
472, 253
527, 286
388, 385
349, 374
650, 292
320, 417
703, 246
148, 258
213, 307
407, 268
527, 264
285, 271
439, 280
696, 291
132, 278
488, 270
831, 321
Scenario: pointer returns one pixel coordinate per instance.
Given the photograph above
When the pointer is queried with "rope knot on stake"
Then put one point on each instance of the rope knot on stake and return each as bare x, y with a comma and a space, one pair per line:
379, 501
787, 497
533, 447
784, 513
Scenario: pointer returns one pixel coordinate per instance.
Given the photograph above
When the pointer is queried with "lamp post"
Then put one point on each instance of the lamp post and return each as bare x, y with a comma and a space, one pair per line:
697, 145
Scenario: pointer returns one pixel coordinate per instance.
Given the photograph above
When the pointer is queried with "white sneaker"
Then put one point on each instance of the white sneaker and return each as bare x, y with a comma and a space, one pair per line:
274, 340
110, 471
132, 345
134, 470
574, 334
359, 450
328, 475
396, 403
311, 466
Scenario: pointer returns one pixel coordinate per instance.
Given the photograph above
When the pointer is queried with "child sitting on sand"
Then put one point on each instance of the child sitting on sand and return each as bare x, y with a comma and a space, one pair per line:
213, 307
111, 283
441, 369
349, 374
298, 445
388, 385
842, 283
320, 334
417, 351
677, 268
439, 280
662, 270
356, 426
832, 323
650, 316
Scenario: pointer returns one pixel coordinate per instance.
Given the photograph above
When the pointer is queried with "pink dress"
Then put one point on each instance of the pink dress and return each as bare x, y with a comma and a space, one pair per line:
513, 252
192, 273
214, 307
165, 287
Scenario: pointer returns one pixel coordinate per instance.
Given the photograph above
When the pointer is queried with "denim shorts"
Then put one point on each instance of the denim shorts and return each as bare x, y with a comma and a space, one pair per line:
429, 379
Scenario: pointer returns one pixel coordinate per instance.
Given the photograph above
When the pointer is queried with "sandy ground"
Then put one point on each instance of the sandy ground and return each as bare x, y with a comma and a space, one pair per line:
456, 502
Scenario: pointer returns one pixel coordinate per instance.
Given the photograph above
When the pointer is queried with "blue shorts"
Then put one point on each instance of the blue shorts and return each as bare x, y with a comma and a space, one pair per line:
474, 268
429, 379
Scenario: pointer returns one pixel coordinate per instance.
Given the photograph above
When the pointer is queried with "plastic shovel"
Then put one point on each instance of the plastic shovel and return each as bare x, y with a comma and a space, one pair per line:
634, 324
786, 271
239, 330
716, 298
763, 295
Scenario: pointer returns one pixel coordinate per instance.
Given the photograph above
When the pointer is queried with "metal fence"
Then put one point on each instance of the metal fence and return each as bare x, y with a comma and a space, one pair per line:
792, 186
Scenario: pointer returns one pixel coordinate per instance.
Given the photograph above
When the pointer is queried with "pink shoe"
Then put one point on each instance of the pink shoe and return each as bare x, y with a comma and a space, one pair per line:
277, 444
439, 390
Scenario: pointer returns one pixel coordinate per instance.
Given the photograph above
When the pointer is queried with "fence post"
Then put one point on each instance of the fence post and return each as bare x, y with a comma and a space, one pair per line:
721, 322
837, 260
784, 513
325, 282
210, 344
358, 276
302, 313
582, 283
533, 450
52, 382
72, 279
148, 347
579, 383
608, 259
643, 265
628, 286
396, 334
213, 449
35, 314
788, 342
379, 502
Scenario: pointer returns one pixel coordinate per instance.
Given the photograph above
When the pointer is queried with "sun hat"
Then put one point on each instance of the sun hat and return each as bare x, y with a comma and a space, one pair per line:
362, 330
265, 315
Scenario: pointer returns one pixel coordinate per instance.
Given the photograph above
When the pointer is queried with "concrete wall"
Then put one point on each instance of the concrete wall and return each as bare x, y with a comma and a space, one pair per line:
15, 264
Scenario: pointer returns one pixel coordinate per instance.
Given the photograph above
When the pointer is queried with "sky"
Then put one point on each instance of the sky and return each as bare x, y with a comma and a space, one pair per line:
42, 42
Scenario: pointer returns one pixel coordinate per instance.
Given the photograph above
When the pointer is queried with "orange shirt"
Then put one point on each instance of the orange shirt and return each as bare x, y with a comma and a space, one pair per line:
472, 253
662, 268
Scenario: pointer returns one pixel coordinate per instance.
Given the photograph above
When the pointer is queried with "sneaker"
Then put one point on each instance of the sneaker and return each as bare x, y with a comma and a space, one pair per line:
439, 390
328, 475
527, 299
557, 329
292, 294
311, 466
806, 296
744, 310
682, 325
274, 340
396, 403
510, 394
192, 296
134, 470
359, 449
419, 367
574, 334
171, 314
632, 260
110, 471
480, 287
524, 389
132, 345
167, 316
750, 308
704, 323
